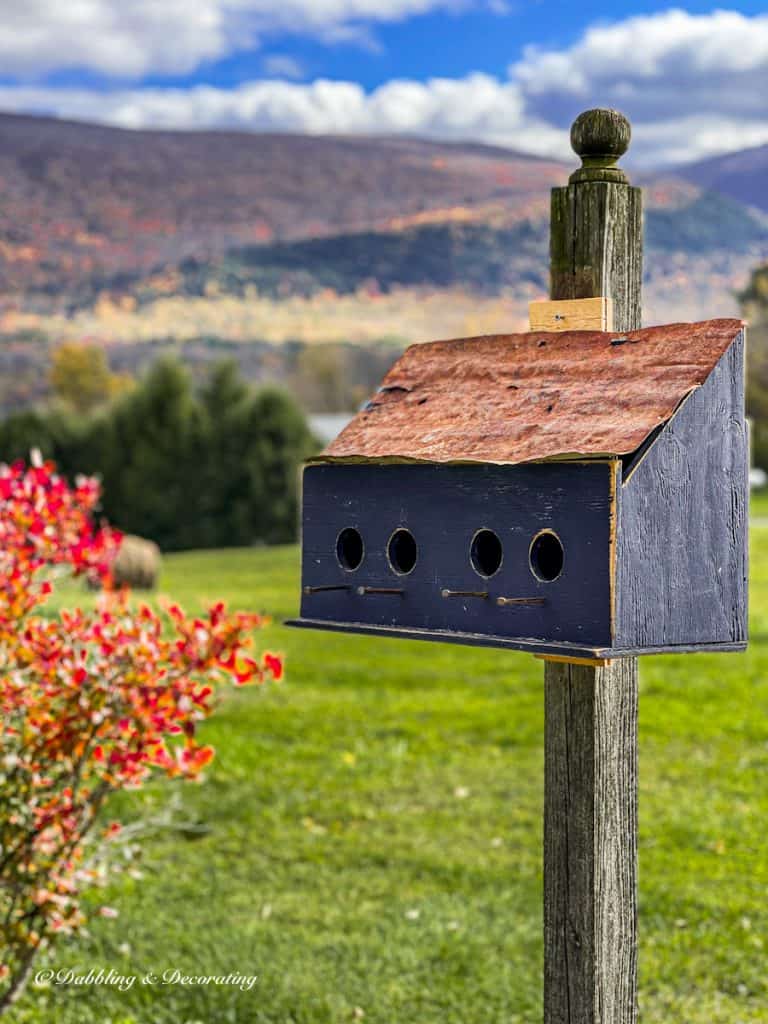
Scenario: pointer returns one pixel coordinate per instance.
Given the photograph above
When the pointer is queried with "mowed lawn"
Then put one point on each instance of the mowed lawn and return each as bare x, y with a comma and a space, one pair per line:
368, 840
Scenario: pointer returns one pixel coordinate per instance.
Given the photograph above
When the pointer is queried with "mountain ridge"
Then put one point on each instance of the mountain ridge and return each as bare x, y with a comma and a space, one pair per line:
88, 210
741, 175
84, 203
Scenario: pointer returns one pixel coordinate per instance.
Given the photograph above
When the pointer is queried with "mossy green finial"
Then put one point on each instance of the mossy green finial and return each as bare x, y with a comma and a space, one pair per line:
600, 137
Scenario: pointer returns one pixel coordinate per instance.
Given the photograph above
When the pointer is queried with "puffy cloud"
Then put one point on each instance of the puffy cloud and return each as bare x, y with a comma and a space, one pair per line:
693, 85
669, 67
130, 38
686, 139
111, 37
476, 107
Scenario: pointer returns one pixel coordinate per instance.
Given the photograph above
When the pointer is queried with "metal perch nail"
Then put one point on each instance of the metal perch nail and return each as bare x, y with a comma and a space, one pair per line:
380, 590
331, 586
464, 593
503, 601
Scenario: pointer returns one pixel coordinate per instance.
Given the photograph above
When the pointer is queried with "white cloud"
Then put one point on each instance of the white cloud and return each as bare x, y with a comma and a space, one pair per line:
693, 85
114, 38
685, 139
131, 38
664, 66
282, 65
478, 106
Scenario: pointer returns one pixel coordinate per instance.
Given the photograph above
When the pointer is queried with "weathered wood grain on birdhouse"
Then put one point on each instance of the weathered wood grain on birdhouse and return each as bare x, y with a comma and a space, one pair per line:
682, 537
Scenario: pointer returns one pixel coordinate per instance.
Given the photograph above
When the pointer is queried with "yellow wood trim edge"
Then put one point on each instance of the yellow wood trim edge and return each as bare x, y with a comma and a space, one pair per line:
564, 659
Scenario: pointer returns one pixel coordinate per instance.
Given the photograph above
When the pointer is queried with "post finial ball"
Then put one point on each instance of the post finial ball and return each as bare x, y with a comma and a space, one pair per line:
600, 137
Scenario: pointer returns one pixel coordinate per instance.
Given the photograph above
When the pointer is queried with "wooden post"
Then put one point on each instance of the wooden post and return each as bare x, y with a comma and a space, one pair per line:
590, 801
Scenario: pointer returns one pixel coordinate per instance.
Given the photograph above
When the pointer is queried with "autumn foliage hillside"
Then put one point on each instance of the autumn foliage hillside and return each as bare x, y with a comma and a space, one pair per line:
84, 206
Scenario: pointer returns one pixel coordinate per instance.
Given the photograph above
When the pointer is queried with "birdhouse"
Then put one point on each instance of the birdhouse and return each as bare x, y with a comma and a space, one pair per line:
577, 493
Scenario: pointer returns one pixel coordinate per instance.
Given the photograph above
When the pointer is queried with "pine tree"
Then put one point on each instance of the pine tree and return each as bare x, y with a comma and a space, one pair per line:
754, 304
150, 470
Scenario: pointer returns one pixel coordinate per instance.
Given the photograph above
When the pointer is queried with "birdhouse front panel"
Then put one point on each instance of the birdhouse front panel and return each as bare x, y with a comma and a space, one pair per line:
582, 493
498, 551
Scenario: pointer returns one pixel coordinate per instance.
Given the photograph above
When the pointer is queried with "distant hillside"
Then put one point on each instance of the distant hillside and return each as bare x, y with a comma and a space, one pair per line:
126, 236
478, 256
710, 223
742, 176
86, 207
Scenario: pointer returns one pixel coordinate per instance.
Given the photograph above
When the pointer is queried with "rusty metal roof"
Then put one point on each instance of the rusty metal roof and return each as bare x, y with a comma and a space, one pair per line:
526, 397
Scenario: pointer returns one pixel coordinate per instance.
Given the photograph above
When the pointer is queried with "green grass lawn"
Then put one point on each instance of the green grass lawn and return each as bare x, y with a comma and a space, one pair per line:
368, 840
760, 504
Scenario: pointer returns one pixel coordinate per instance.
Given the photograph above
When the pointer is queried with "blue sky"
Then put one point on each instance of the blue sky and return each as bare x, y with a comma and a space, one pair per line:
693, 77
440, 43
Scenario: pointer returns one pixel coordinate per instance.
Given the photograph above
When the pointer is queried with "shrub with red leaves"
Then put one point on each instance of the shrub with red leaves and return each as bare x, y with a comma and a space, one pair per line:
91, 703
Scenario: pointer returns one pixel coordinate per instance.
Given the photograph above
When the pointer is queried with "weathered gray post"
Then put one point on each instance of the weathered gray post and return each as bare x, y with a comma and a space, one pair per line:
590, 813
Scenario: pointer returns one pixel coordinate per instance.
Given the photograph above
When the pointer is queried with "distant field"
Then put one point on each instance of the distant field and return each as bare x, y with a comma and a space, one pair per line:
686, 289
368, 840
402, 315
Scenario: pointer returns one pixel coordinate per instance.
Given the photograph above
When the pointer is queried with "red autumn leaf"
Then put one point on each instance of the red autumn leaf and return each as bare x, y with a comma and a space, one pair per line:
274, 665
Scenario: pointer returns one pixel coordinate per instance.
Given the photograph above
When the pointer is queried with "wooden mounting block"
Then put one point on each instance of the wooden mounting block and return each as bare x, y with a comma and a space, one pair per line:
572, 315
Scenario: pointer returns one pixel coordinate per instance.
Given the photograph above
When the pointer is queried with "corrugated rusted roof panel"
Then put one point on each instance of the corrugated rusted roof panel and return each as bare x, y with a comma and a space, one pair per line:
525, 397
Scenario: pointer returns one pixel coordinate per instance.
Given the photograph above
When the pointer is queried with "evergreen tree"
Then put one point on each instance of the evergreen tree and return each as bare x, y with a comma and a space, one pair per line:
151, 466
21, 432
754, 304
218, 469
279, 441
225, 515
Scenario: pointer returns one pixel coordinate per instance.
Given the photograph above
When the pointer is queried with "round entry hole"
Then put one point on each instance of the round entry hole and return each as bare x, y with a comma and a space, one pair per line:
349, 548
402, 551
546, 556
486, 553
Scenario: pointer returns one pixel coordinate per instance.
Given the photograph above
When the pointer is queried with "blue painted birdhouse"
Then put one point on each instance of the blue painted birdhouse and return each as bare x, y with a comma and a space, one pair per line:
582, 494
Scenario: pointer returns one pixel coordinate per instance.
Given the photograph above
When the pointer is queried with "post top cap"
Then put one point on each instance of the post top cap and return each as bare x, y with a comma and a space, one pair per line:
600, 137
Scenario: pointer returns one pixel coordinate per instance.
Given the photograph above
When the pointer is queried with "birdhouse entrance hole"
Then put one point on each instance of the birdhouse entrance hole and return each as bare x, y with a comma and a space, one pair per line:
546, 556
349, 549
402, 552
486, 553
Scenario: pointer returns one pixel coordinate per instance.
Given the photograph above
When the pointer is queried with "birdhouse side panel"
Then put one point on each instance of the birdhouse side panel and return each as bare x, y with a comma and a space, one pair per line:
504, 551
682, 524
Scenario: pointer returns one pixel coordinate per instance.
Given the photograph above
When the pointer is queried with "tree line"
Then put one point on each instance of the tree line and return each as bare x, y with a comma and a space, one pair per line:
754, 307
216, 466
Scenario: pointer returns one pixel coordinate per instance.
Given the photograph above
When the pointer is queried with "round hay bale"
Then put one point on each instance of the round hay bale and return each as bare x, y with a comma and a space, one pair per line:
137, 564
